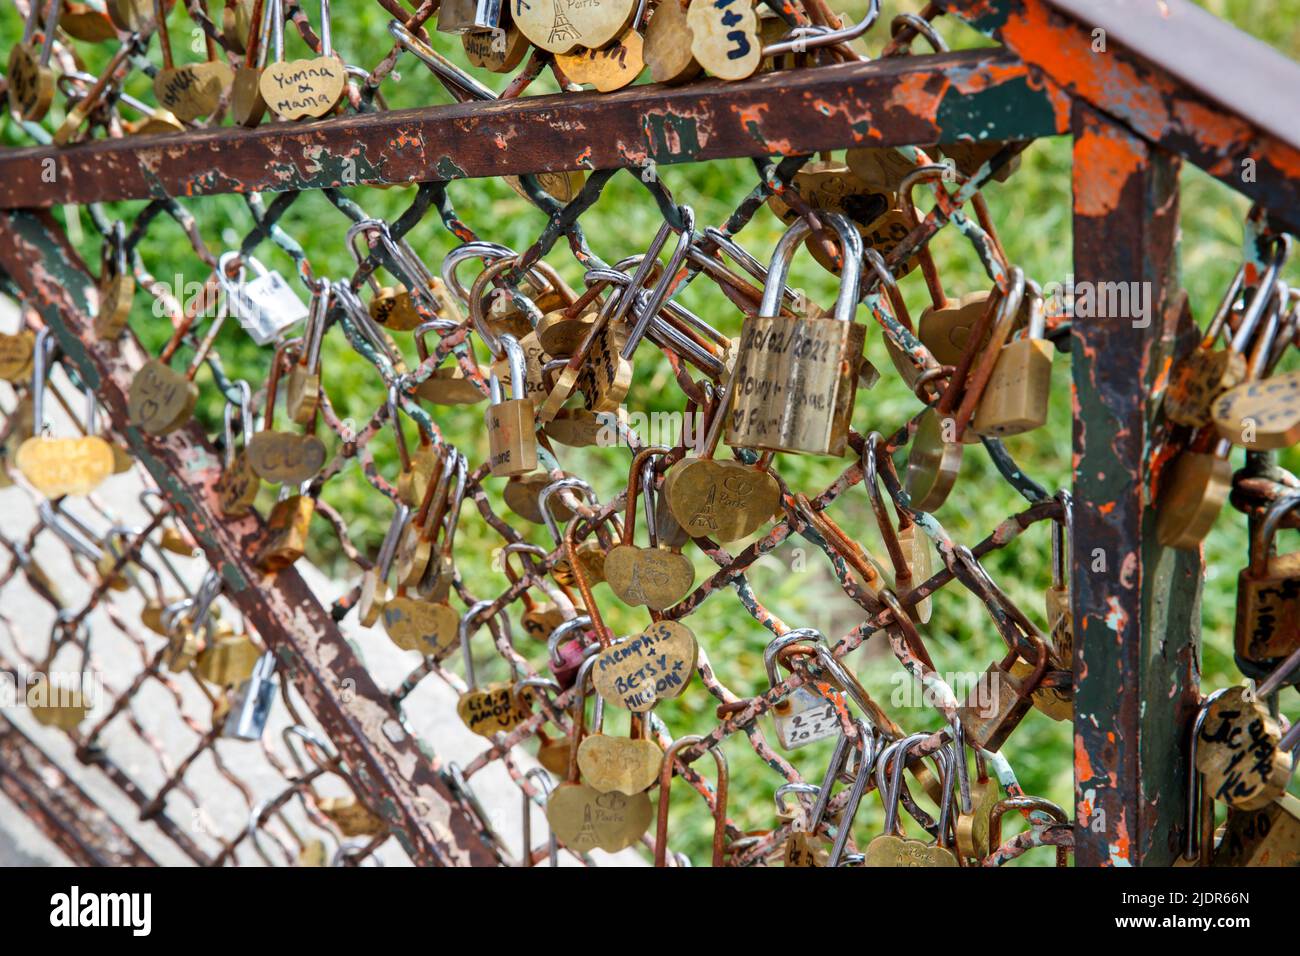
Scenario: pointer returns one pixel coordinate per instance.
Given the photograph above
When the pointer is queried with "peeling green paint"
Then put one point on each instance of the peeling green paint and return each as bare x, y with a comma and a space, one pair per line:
446, 168
662, 129
1009, 110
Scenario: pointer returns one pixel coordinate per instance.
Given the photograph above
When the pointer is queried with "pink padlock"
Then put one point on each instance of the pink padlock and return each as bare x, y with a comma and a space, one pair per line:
564, 659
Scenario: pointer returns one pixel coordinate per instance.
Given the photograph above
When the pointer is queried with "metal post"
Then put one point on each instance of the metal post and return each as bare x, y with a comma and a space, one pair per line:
1136, 605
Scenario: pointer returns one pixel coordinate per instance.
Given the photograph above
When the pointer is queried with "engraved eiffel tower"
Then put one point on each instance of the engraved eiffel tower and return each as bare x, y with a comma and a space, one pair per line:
561, 28
587, 835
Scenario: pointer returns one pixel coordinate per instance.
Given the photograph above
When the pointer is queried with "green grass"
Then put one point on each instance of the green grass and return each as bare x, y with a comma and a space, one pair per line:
1033, 213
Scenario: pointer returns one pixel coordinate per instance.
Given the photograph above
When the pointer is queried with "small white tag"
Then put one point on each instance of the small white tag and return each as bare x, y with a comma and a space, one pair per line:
265, 306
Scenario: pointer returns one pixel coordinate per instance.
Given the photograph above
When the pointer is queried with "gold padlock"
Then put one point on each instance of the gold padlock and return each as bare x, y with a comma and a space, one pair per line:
302, 388
999, 701
795, 380
1268, 592
1016, 395
286, 530
512, 441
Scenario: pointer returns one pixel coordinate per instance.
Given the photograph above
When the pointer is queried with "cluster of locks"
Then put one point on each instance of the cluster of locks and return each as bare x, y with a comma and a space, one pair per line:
606, 44
560, 372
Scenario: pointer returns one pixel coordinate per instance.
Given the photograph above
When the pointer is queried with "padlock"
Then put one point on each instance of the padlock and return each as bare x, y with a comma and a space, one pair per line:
303, 387
116, 285
251, 708
448, 385
192, 90
1268, 591
512, 442
591, 553
286, 530
59, 466
1015, 397
1044, 808
655, 577
539, 619
493, 708
1266, 836
469, 16
974, 813
998, 701
374, 583
228, 659
440, 573
893, 848
265, 306
303, 88
238, 483
1193, 487
564, 657
581, 816
804, 847
30, 79
247, 105
795, 380
16, 355
1239, 750
805, 716
613, 764
1060, 616
1200, 376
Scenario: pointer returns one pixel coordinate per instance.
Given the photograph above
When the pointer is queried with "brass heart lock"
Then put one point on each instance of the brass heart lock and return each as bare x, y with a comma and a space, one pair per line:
655, 577
284, 458
303, 88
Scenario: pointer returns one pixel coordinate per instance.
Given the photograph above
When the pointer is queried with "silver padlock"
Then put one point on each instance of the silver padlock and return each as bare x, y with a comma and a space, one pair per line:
252, 707
805, 716
469, 16
265, 306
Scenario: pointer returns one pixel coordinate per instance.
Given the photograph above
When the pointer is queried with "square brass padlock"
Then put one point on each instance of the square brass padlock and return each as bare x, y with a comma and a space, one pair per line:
286, 530
998, 702
796, 379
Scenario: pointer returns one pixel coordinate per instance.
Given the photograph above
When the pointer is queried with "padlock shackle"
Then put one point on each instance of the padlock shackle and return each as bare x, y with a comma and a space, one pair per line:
1007, 804
244, 407
850, 277
1263, 294
785, 788
43, 349
584, 587
798, 635
517, 361
666, 771
440, 66
560, 633
634, 482
466, 629
478, 293
867, 760
1261, 539
659, 294
314, 329
544, 506
888, 533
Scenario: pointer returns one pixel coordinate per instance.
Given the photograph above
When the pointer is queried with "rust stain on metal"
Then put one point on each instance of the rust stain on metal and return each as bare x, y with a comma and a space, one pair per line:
1110, 162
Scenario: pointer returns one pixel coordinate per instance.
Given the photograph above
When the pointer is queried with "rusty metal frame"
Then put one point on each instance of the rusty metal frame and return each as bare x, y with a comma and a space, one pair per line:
63, 811
894, 101
403, 784
1135, 111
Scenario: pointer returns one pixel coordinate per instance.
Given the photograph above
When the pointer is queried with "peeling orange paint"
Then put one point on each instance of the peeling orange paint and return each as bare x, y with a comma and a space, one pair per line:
1104, 162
